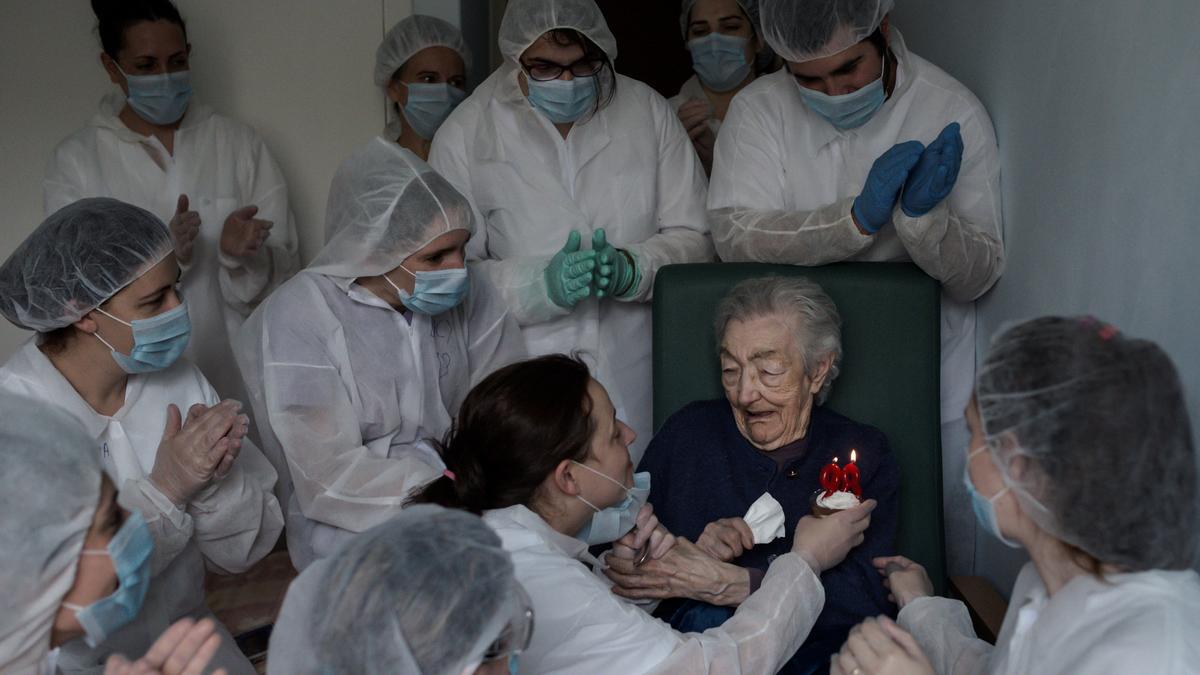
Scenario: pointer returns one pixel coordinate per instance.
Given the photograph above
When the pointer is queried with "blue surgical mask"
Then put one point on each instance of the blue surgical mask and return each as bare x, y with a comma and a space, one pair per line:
985, 507
130, 551
610, 524
157, 342
429, 105
847, 111
563, 101
434, 292
159, 99
720, 60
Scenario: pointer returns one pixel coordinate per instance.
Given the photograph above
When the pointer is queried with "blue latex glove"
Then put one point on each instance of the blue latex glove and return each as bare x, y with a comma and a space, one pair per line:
873, 208
932, 179
616, 275
569, 274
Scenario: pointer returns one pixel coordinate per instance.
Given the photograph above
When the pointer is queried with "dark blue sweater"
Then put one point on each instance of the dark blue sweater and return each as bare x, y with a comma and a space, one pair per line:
703, 469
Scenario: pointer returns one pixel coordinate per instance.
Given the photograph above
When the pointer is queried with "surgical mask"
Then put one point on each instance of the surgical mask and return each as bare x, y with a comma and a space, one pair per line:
159, 99
847, 111
435, 291
130, 551
429, 105
985, 507
563, 101
157, 341
720, 60
610, 524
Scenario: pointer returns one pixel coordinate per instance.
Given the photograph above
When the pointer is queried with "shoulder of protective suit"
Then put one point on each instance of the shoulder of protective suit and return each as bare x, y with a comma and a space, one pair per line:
928, 76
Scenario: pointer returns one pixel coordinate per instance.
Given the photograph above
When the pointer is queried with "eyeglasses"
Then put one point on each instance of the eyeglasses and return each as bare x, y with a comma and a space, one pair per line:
544, 71
518, 631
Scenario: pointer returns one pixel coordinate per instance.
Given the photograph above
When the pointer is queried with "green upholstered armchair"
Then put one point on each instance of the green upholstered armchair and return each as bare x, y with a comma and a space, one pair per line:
889, 378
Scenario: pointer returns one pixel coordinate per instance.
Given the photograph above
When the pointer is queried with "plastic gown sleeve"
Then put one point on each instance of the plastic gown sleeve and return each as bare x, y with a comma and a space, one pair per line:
245, 282
959, 242
337, 479
495, 338
682, 191
942, 627
235, 522
765, 631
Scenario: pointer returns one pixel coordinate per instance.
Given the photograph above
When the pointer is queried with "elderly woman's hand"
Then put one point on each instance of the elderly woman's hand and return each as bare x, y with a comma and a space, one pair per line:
904, 579
646, 532
880, 647
684, 572
726, 539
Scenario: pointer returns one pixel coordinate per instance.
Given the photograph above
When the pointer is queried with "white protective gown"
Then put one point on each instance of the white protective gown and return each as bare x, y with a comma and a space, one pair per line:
227, 527
630, 169
351, 390
583, 629
1144, 622
784, 180
221, 165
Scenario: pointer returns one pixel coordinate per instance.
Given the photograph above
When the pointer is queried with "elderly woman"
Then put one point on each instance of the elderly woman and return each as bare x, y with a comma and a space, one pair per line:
1082, 454
780, 345
382, 603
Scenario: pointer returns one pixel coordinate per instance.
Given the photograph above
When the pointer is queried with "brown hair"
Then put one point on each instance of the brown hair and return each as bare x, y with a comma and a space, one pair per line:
511, 432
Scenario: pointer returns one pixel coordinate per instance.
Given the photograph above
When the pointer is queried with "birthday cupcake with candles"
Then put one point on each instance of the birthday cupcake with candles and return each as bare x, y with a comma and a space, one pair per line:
840, 489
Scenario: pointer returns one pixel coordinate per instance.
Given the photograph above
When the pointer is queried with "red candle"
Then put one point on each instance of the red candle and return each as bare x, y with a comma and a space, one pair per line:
851, 477
832, 479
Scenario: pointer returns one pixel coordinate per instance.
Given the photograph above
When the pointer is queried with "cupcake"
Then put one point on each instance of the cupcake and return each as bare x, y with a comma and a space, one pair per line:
825, 505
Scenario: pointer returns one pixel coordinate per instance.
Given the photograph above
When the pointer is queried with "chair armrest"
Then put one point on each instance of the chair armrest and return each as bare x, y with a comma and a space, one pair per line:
986, 606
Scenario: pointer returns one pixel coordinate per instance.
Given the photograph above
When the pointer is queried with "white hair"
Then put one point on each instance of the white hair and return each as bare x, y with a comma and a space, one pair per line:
819, 333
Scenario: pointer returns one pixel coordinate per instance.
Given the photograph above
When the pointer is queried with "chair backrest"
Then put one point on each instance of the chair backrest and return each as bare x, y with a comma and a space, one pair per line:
891, 315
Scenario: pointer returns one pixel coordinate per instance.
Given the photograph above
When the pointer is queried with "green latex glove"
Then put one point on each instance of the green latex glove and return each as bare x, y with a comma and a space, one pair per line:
616, 275
569, 274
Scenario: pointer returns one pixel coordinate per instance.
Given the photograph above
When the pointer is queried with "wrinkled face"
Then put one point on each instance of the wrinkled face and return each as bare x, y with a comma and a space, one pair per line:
432, 65
766, 380
447, 251
148, 48
608, 452
151, 294
843, 73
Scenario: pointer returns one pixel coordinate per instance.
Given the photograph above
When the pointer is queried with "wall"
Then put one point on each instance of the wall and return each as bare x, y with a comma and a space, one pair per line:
298, 71
1095, 106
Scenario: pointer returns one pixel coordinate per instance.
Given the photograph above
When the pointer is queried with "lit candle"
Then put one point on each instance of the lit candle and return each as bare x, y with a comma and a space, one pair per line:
851, 477
832, 479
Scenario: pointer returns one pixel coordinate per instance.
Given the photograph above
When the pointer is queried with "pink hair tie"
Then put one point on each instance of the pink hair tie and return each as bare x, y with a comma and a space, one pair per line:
1108, 332
449, 474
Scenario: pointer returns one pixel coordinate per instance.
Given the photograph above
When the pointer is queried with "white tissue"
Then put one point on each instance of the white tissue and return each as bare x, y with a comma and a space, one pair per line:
765, 518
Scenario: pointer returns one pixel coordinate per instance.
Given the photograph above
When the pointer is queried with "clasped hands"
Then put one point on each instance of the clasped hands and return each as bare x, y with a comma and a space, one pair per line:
919, 177
702, 571
603, 270
200, 451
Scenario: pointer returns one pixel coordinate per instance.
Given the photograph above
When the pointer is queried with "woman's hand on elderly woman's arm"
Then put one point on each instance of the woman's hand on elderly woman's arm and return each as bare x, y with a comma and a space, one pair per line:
880, 647
646, 531
684, 572
904, 579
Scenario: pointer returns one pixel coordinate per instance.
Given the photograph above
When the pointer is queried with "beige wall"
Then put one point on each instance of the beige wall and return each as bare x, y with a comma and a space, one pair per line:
299, 71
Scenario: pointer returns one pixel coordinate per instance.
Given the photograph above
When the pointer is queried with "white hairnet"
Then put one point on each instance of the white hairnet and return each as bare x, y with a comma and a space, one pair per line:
424, 592
527, 20
410, 36
384, 205
803, 30
1104, 421
750, 7
49, 490
78, 258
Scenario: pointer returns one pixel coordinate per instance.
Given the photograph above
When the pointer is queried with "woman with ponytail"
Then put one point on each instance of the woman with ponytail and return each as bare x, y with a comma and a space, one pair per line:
538, 451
